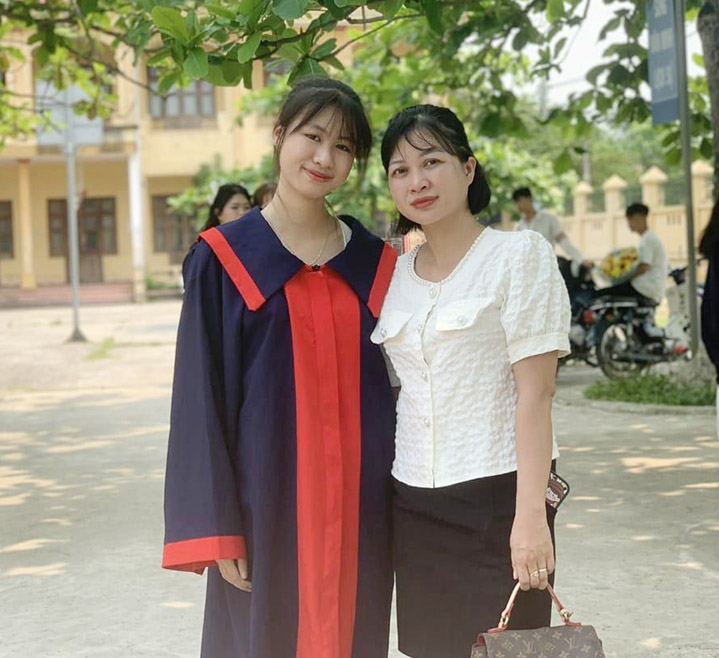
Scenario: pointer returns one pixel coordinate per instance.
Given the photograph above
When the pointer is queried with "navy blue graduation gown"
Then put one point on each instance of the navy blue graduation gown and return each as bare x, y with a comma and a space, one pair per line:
281, 445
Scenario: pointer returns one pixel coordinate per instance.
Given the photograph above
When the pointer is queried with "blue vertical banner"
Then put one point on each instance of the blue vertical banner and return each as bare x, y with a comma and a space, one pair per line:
663, 72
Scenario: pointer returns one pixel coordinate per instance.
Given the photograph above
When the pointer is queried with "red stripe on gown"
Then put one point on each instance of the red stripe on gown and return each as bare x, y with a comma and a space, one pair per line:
234, 267
325, 322
382, 279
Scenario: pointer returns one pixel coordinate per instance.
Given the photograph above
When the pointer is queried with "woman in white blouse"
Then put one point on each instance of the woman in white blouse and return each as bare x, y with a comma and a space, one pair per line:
473, 324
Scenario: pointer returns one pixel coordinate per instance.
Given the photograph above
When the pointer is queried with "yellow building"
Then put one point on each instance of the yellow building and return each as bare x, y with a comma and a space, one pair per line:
151, 149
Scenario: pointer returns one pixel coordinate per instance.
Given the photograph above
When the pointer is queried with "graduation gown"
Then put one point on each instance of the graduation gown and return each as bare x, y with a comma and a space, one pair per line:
281, 445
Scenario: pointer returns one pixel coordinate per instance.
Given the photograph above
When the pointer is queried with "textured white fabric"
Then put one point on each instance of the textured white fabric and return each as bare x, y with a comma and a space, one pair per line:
452, 345
651, 251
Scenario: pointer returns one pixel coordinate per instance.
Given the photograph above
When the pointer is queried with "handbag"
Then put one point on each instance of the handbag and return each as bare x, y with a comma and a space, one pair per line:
572, 640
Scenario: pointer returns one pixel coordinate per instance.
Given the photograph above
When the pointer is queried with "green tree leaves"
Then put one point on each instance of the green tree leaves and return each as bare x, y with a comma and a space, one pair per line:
196, 65
555, 10
246, 52
421, 48
170, 21
289, 10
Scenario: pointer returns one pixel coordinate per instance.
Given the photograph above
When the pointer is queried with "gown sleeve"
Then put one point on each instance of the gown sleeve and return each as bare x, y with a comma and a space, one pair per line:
202, 511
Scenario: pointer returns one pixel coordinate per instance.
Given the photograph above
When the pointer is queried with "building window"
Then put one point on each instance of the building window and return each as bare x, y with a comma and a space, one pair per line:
6, 245
195, 100
97, 218
57, 221
97, 225
173, 232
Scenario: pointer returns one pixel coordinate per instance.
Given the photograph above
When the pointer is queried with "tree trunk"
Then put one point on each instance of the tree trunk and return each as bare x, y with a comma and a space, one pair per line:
708, 27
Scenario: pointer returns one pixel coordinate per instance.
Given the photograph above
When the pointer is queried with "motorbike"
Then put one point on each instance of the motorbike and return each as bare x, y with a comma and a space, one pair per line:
619, 334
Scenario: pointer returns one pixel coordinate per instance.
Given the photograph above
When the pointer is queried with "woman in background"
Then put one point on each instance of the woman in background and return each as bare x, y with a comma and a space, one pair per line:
263, 194
231, 202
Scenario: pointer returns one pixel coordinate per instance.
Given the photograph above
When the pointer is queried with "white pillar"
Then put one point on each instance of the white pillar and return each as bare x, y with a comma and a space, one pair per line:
137, 225
136, 191
27, 249
652, 182
614, 188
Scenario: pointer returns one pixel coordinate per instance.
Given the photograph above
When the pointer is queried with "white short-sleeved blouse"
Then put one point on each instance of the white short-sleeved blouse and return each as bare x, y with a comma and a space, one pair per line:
452, 345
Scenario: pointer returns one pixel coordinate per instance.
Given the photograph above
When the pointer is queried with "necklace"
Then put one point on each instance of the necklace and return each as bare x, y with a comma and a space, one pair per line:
316, 260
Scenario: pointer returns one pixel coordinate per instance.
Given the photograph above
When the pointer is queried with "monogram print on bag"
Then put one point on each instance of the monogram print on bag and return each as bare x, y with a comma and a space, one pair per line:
558, 642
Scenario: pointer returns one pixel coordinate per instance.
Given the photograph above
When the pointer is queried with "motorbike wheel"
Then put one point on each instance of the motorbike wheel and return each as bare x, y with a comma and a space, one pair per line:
613, 343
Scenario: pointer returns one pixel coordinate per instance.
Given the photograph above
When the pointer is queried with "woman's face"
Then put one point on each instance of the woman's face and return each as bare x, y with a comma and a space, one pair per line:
237, 206
317, 158
427, 183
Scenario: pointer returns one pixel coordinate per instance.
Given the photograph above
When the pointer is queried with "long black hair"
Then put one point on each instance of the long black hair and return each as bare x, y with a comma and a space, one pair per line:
224, 194
312, 95
440, 125
709, 243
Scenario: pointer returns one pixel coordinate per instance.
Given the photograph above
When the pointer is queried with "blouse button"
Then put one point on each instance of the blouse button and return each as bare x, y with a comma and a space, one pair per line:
432, 292
383, 332
462, 320
425, 376
426, 421
419, 328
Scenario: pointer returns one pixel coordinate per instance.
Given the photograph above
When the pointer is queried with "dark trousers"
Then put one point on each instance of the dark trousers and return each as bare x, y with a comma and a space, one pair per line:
625, 289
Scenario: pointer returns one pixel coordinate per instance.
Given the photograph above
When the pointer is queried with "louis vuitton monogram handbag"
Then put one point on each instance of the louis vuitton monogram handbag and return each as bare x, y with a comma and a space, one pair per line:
569, 641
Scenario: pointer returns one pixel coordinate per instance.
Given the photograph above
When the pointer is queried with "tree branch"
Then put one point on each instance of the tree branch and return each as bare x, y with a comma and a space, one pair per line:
83, 58
364, 35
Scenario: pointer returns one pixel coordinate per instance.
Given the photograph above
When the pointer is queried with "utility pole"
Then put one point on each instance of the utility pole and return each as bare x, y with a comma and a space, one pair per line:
74, 247
685, 123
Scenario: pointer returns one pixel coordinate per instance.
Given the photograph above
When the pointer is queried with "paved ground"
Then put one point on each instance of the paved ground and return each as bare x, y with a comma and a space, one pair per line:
82, 445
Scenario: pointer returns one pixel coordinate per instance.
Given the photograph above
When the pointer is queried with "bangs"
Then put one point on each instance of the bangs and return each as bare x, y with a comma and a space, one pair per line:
353, 123
427, 137
311, 96
421, 132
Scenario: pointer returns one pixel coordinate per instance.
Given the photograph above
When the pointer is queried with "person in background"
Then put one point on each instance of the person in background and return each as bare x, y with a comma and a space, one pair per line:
545, 223
231, 202
263, 194
647, 282
709, 248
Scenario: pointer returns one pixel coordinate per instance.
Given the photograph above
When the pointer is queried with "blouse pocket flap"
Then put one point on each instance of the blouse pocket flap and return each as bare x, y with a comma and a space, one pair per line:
389, 325
462, 314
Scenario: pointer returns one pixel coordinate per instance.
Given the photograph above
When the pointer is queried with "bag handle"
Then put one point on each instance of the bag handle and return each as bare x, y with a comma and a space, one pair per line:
507, 613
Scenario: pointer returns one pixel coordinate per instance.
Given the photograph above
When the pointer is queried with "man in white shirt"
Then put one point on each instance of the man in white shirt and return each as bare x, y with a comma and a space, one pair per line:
649, 278
546, 224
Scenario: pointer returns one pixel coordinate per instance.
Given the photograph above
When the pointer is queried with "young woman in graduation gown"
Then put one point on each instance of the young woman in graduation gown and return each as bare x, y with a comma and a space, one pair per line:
282, 422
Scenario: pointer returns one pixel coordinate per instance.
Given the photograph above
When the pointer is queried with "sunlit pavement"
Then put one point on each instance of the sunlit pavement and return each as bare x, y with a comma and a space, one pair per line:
82, 446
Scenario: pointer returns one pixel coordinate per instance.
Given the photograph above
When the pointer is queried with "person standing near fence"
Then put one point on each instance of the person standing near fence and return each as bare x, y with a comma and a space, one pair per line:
648, 281
545, 223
